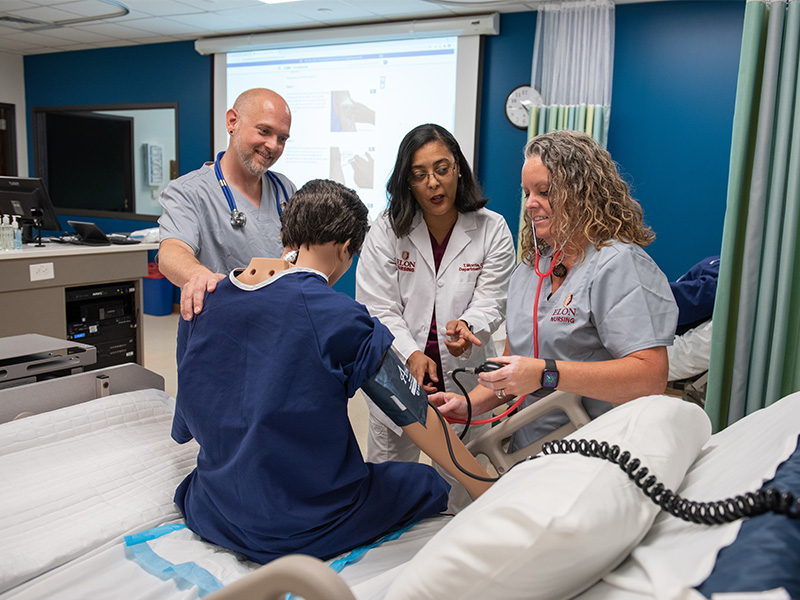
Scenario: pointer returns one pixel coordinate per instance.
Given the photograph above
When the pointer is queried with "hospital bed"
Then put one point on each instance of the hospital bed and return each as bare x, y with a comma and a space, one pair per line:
689, 357
86, 510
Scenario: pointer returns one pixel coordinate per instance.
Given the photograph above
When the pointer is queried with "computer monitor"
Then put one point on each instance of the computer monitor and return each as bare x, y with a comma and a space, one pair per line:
18, 195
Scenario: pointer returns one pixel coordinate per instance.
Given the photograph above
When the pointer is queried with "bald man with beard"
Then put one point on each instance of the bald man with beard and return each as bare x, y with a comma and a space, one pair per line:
200, 242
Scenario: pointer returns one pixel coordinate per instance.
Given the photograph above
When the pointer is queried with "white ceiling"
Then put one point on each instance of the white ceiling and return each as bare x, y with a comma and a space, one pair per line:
43, 26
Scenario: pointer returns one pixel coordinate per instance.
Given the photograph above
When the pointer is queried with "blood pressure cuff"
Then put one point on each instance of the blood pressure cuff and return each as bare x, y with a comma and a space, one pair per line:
395, 391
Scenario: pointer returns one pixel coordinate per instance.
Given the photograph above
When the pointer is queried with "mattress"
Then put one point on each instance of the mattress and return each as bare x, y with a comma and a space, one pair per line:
83, 476
77, 481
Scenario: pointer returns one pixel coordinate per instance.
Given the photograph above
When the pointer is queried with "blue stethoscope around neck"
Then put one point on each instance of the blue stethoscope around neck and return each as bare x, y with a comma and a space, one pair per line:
238, 218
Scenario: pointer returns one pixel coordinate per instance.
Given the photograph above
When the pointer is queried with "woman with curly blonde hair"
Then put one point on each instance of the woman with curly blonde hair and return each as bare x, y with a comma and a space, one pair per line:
585, 294
591, 198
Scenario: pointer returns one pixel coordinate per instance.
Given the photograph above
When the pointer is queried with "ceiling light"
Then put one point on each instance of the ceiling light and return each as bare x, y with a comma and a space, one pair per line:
277, 1
469, 3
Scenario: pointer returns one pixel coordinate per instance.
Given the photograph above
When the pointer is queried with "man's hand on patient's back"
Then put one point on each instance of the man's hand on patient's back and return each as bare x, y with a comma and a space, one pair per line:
194, 291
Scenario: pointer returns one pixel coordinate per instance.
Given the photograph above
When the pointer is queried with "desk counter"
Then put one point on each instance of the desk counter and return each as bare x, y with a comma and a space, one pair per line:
34, 283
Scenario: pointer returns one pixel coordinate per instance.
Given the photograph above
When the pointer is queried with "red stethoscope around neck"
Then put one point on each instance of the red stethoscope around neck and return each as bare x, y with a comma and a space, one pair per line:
553, 263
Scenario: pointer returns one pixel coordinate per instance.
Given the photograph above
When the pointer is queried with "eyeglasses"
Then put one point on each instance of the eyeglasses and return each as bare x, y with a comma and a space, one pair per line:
441, 173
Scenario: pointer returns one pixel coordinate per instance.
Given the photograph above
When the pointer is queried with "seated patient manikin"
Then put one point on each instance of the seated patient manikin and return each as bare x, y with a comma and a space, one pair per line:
395, 391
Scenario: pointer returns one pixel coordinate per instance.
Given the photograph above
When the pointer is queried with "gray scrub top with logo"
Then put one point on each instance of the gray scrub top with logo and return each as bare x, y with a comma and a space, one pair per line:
615, 302
196, 212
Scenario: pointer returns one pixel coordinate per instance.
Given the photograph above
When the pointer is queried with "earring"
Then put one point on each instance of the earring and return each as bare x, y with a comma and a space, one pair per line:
230, 132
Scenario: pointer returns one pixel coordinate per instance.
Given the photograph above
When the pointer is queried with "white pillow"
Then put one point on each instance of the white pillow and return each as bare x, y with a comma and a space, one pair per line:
690, 353
555, 525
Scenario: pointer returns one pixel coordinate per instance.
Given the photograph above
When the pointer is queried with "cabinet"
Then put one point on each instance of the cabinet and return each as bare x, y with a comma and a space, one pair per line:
87, 294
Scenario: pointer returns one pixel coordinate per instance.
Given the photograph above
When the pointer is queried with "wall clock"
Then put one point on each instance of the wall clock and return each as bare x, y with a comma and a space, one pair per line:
518, 105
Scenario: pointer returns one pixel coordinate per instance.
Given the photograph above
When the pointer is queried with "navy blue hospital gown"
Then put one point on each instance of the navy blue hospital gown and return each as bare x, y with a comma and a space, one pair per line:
264, 376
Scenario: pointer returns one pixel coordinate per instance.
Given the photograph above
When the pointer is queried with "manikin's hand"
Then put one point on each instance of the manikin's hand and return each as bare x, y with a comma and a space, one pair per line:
418, 366
194, 291
460, 337
452, 406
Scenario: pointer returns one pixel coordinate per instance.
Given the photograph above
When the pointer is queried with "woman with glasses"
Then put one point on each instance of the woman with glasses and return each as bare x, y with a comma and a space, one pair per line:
434, 269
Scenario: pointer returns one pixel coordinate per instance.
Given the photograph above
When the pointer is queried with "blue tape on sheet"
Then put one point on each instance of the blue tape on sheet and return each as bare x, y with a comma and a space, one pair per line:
358, 553
206, 583
194, 573
151, 562
151, 534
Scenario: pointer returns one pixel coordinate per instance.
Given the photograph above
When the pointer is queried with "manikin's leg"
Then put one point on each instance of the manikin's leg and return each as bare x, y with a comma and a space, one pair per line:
430, 439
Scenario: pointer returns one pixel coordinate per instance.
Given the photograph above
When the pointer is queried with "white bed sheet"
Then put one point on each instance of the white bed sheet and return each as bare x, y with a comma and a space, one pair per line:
108, 572
129, 468
77, 478
676, 556
690, 353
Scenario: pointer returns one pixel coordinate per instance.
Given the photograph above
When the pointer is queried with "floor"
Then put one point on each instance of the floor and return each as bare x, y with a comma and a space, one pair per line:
160, 335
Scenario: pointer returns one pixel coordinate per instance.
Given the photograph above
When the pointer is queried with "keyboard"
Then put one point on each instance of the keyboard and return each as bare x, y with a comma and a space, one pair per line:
75, 239
90, 243
121, 239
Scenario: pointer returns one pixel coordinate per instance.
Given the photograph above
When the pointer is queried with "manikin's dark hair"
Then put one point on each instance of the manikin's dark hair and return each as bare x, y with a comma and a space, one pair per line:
324, 211
402, 204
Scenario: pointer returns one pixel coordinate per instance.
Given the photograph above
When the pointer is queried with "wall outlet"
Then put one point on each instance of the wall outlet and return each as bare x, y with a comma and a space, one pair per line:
42, 271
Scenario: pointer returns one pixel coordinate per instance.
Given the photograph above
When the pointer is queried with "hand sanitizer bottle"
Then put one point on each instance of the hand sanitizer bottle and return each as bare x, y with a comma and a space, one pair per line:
18, 235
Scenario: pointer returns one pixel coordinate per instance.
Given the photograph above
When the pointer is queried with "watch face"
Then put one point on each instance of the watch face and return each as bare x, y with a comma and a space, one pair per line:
550, 379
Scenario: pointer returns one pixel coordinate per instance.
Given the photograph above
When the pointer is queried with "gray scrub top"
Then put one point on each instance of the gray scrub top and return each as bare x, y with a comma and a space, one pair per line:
196, 212
615, 302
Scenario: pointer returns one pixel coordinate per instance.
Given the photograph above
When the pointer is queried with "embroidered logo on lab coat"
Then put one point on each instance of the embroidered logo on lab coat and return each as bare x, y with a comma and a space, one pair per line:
471, 267
568, 300
403, 264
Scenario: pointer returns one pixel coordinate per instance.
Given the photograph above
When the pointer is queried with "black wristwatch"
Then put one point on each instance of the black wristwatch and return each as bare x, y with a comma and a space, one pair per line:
550, 375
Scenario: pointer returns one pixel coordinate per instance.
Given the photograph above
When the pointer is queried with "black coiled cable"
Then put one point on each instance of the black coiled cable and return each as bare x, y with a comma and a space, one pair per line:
749, 504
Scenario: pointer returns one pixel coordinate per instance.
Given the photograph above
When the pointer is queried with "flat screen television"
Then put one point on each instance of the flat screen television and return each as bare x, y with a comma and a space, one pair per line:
86, 159
19, 195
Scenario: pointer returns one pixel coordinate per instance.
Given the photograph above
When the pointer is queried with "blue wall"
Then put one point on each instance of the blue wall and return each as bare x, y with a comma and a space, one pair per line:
506, 64
672, 108
675, 72
171, 72
674, 87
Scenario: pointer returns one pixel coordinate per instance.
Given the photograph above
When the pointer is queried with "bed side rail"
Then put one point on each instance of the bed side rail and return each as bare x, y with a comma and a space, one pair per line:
493, 442
44, 396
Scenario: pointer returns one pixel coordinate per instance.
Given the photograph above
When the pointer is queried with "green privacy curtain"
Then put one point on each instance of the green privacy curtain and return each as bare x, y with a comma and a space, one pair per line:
573, 65
591, 119
754, 355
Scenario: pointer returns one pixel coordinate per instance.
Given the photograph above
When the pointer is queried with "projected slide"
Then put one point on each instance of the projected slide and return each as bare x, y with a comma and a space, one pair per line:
352, 104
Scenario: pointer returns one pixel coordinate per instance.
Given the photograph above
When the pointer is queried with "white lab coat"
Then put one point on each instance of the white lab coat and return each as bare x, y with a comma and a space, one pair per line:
396, 279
